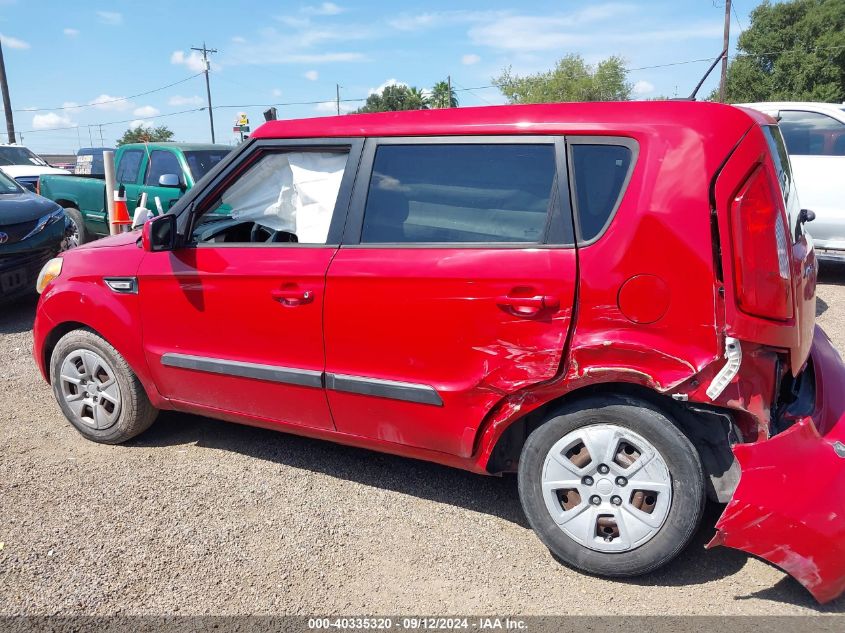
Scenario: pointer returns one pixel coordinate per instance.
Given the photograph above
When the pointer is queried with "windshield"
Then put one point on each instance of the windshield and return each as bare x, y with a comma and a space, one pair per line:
200, 162
780, 157
7, 185
19, 156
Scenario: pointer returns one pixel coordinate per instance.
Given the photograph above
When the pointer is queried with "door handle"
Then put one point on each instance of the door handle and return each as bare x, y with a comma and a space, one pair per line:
291, 297
528, 306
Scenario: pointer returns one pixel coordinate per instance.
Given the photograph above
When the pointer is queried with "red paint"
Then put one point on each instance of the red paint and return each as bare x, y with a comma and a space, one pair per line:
789, 507
497, 332
644, 298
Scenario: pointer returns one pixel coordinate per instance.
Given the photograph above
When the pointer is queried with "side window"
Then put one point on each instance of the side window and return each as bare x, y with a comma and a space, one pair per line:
281, 197
599, 174
452, 193
812, 134
162, 162
130, 164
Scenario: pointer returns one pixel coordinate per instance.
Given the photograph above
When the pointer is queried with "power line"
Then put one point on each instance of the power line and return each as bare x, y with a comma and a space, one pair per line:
99, 103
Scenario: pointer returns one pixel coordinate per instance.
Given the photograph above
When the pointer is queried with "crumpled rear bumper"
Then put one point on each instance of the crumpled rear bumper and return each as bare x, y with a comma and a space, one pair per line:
789, 507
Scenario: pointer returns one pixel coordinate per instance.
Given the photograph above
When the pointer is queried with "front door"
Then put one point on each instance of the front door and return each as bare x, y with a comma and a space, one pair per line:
454, 287
233, 319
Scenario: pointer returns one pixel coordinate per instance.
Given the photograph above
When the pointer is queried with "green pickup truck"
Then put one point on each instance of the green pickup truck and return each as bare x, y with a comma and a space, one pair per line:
165, 170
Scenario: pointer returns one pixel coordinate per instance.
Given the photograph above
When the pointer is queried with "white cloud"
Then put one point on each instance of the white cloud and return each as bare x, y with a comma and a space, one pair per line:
276, 92
112, 18
643, 87
299, 43
108, 102
312, 75
13, 42
330, 107
470, 59
193, 60
389, 82
140, 123
146, 111
325, 8
239, 40
178, 100
526, 33
50, 121
70, 104
71, 32
432, 19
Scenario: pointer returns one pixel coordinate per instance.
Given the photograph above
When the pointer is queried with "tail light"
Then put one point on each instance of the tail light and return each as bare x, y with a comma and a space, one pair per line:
761, 249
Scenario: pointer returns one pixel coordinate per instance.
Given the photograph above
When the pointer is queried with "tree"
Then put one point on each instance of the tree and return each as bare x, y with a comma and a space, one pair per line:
395, 97
442, 96
572, 79
143, 134
791, 51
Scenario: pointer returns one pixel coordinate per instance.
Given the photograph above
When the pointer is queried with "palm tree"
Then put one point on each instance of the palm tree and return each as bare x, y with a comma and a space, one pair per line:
442, 96
417, 99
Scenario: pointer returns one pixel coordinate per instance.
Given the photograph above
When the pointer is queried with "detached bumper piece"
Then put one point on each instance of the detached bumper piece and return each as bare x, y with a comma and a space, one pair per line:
789, 507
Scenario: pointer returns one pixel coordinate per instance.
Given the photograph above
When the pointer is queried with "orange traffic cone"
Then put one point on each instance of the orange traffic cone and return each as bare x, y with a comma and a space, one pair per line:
121, 212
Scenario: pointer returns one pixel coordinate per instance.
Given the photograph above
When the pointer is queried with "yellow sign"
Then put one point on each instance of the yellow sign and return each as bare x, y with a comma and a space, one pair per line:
242, 119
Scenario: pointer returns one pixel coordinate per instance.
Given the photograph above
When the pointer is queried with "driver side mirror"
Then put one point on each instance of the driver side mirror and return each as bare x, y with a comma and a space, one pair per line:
170, 180
159, 234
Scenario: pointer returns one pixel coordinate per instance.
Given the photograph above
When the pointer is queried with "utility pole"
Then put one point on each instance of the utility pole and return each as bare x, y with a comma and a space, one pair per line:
337, 102
7, 103
449, 81
102, 142
723, 87
205, 51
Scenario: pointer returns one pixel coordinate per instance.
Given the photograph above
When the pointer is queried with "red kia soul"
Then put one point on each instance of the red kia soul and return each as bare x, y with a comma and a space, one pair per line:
616, 301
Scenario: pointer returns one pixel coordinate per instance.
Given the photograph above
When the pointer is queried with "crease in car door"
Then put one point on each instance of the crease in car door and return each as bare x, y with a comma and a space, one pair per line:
234, 322
444, 298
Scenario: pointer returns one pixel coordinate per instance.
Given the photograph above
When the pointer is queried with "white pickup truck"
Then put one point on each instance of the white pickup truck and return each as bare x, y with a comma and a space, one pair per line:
814, 134
24, 166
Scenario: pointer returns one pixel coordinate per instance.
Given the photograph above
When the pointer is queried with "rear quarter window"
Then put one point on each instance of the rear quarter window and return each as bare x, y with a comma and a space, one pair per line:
599, 174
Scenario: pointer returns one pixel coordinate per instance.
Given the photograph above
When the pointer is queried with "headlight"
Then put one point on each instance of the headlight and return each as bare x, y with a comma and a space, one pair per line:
45, 221
49, 272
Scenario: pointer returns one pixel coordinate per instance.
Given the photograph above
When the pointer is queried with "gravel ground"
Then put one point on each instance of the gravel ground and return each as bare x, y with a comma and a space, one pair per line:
198, 516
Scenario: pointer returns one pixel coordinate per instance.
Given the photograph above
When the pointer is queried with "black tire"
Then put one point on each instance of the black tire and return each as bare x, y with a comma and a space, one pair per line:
135, 414
678, 454
75, 216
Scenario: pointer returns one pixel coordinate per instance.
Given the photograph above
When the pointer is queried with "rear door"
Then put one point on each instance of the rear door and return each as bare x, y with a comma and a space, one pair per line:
453, 288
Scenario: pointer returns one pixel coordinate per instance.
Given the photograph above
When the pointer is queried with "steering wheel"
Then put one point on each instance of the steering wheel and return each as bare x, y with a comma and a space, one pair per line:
260, 233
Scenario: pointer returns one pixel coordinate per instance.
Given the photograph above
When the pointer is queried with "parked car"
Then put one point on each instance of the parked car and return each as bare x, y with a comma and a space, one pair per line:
31, 232
89, 161
163, 170
815, 139
24, 166
615, 301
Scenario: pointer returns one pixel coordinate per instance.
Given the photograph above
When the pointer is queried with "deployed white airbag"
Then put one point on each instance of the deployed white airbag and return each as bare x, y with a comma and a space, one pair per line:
294, 192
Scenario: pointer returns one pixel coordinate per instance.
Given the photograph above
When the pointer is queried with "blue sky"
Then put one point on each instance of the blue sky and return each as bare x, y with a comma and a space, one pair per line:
63, 54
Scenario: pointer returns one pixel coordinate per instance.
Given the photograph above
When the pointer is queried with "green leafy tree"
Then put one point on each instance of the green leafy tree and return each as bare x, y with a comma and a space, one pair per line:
572, 79
395, 97
143, 134
792, 51
442, 96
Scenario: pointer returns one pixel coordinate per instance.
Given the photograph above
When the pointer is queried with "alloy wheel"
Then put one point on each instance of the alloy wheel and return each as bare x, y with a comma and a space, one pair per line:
90, 389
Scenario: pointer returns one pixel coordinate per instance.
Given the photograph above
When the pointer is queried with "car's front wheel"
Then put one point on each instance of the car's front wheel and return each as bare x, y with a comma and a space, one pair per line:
611, 486
76, 233
97, 390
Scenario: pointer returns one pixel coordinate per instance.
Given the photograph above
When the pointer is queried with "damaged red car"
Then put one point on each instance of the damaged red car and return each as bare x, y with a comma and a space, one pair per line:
616, 301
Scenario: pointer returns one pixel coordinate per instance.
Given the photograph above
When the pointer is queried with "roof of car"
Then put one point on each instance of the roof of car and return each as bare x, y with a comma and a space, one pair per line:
553, 118
812, 106
186, 147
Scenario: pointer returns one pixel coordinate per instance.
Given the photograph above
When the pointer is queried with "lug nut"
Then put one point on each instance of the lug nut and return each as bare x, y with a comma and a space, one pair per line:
595, 500
621, 481
587, 481
617, 501
603, 469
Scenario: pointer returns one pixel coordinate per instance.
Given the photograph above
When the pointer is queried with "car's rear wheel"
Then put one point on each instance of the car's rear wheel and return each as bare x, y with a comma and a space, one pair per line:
76, 232
97, 390
611, 486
